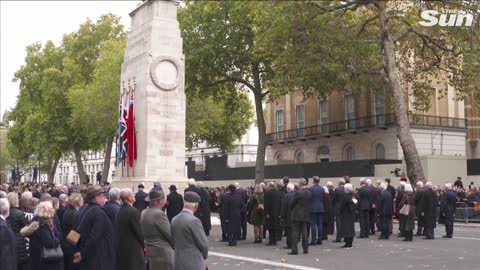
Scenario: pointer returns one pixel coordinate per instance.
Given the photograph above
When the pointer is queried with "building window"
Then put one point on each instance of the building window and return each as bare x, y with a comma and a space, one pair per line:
379, 151
379, 102
323, 154
279, 117
300, 110
278, 156
323, 105
349, 153
299, 157
350, 111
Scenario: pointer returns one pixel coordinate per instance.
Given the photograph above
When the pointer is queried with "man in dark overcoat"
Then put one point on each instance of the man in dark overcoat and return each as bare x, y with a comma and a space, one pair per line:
232, 207
96, 247
174, 204
273, 203
129, 234
243, 212
447, 210
429, 212
204, 208
112, 207
385, 211
365, 195
286, 214
222, 214
419, 198
338, 195
140, 202
300, 207
8, 257
398, 206
317, 209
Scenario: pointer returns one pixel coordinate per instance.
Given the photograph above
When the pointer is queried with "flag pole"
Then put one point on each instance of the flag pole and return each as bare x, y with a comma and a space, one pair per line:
128, 98
119, 119
134, 135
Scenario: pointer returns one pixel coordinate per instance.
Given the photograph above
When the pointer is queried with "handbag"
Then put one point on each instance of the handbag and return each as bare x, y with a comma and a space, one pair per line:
51, 254
73, 236
405, 210
260, 207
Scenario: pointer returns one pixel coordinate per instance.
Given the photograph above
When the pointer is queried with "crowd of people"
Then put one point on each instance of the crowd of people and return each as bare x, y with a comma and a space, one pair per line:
49, 227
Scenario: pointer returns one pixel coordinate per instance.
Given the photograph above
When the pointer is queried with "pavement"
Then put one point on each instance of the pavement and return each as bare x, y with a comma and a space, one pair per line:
461, 252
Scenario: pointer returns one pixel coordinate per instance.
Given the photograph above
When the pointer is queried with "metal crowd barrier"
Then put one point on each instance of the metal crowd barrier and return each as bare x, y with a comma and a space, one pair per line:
465, 213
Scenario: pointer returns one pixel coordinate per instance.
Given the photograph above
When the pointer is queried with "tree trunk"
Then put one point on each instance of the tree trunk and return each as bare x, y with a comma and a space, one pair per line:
262, 130
107, 159
51, 170
78, 158
410, 153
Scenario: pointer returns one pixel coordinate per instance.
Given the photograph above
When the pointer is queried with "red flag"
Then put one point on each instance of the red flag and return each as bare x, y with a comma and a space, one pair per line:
131, 132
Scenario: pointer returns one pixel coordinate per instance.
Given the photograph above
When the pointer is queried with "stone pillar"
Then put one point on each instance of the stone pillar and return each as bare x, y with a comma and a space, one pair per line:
155, 63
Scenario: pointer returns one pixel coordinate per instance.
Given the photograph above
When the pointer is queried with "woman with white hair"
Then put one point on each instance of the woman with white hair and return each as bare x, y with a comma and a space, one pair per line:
407, 213
47, 236
347, 210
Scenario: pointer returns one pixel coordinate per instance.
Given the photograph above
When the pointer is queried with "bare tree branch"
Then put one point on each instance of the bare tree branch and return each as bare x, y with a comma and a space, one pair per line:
364, 25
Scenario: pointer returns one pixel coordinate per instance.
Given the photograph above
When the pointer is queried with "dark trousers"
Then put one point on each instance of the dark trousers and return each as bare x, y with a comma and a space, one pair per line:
338, 225
243, 224
449, 230
372, 216
299, 229
401, 224
316, 224
429, 232
348, 241
408, 235
232, 238
385, 224
364, 219
288, 236
273, 233
223, 225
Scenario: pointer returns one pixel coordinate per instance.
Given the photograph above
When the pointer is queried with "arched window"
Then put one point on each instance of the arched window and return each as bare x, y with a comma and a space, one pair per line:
299, 158
278, 156
323, 154
379, 151
349, 153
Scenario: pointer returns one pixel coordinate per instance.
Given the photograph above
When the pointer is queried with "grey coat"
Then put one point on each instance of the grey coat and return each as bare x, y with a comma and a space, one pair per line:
158, 238
191, 243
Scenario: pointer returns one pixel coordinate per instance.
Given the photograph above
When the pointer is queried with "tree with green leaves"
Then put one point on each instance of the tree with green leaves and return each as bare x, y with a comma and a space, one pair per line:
220, 45
324, 46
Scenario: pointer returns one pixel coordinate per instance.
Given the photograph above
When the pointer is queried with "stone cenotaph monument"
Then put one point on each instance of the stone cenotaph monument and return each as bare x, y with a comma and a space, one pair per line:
154, 70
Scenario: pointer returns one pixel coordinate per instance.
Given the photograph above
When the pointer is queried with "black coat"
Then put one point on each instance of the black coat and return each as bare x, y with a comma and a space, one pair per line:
429, 208
391, 190
385, 204
96, 244
301, 205
17, 221
232, 206
60, 212
204, 208
43, 238
244, 195
419, 197
7, 246
111, 209
68, 223
347, 216
174, 204
197, 213
273, 204
337, 199
285, 211
365, 198
447, 208
408, 198
140, 202
328, 218
129, 239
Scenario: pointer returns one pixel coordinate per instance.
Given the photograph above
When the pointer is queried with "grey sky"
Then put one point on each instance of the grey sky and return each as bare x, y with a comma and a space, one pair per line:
26, 22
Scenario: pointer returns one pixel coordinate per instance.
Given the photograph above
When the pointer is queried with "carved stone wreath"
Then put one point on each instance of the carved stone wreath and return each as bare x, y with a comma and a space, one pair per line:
165, 73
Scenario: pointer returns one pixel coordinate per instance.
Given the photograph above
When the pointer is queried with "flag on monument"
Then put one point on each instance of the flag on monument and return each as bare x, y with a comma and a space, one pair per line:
118, 141
124, 122
131, 131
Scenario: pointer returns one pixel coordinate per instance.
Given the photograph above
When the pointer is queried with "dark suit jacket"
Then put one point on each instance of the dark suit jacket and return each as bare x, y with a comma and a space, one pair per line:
429, 208
286, 212
243, 194
365, 197
301, 205
111, 209
338, 196
233, 204
391, 190
273, 203
175, 204
7, 246
68, 222
385, 204
140, 202
129, 239
43, 238
318, 194
448, 206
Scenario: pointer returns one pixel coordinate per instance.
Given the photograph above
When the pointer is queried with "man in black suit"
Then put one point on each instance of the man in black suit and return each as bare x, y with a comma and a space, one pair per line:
8, 256
447, 210
112, 207
364, 204
286, 214
273, 203
232, 207
129, 235
300, 208
338, 195
222, 214
390, 188
429, 211
419, 204
243, 212
139, 201
174, 204
385, 211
